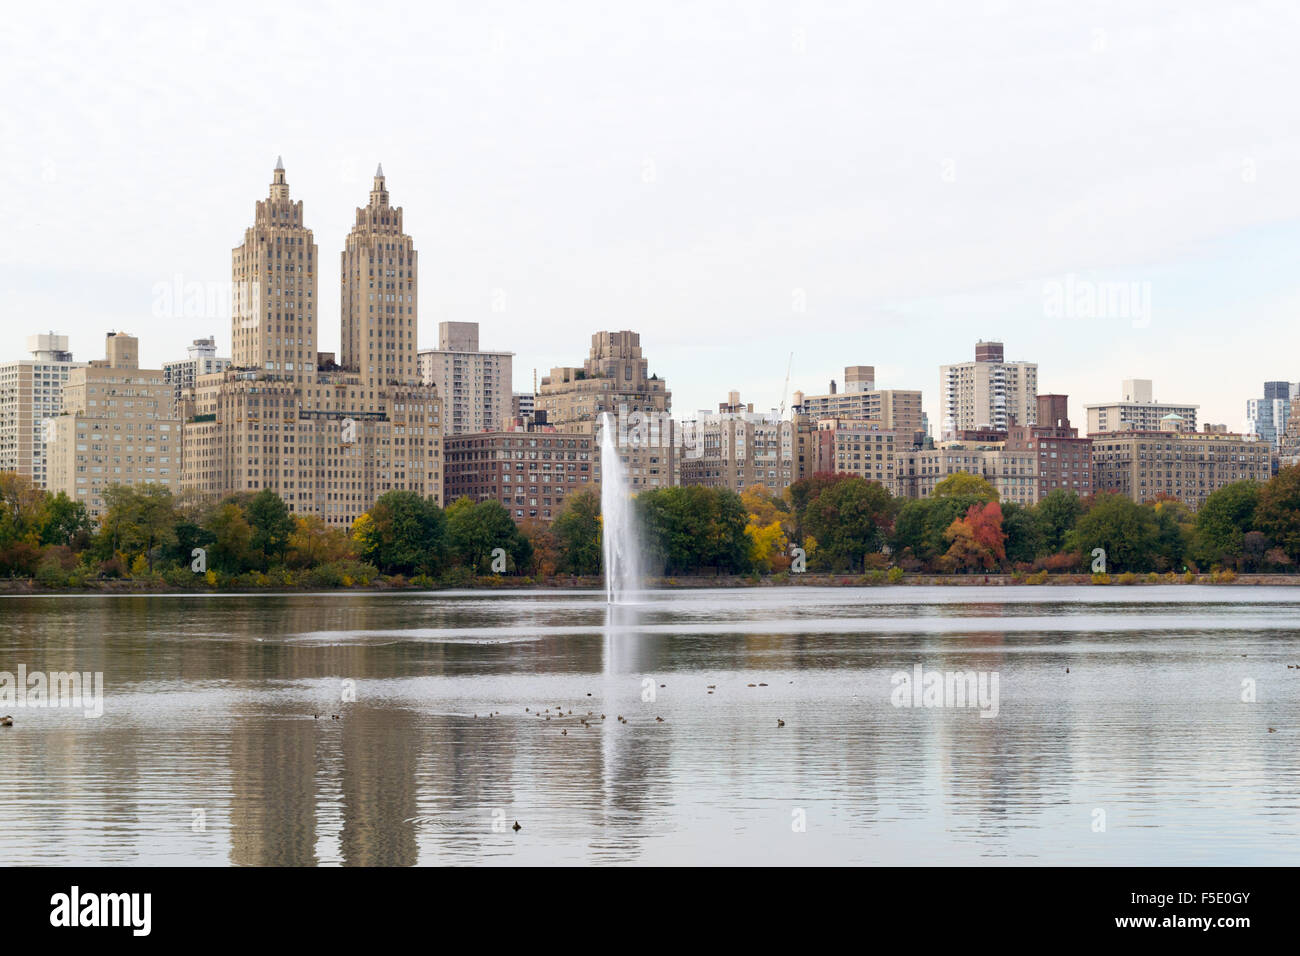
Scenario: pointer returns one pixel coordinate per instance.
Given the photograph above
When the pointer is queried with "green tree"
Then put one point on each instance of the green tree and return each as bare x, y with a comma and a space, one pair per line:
64, 521
577, 534
402, 533
1125, 530
1278, 512
272, 525
850, 519
1024, 536
1222, 523
1056, 515
232, 539
803, 492
476, 529
1175, 527
139, 518
687, 529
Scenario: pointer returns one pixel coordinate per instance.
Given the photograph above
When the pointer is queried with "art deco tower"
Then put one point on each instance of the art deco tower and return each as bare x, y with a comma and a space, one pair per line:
379, 295
273, 326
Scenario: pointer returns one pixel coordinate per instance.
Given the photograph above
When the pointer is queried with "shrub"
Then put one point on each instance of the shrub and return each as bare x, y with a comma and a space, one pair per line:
1101, 578
895, 575
1128, 577
1038, 577
457, 577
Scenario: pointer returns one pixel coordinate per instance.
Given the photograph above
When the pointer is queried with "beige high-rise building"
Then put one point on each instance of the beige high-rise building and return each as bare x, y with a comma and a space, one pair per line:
895, 409
1012, 472
328, 440
987, 393
737, 448
117, 427
615, 379
1139, 410
1146, 464
379, 294
274, 272
31, 393
475, 386
860, 448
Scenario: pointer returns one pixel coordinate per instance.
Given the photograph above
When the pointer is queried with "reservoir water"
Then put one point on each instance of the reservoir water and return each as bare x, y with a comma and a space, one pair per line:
759, 725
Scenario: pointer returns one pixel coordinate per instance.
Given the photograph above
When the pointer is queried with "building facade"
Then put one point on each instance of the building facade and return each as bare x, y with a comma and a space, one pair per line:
1267, 417
987, 393
532, 473
328, 437
1064, 460
379, 294
475, 386
117, 427
615, 380
183, 375
1138, 410
1173, 463
31, 394
863, 449
1013, 473
737, 448
894, 409
523, 407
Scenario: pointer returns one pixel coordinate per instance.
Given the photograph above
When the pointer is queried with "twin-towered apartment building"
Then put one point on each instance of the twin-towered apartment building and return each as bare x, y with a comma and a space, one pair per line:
331, 433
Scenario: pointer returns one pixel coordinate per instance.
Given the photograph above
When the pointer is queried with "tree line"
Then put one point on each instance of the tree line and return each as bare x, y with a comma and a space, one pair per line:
833, 523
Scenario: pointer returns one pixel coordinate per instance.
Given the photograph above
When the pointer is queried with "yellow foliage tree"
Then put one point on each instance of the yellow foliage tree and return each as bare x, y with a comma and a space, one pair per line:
765, 542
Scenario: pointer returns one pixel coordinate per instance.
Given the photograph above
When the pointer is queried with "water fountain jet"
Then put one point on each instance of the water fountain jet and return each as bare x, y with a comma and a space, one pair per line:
619, 541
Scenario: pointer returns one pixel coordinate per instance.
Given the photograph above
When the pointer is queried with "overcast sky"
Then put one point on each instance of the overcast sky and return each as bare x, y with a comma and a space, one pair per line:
877, 186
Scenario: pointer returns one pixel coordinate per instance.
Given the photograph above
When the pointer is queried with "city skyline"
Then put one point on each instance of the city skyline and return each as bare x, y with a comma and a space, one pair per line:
546, 209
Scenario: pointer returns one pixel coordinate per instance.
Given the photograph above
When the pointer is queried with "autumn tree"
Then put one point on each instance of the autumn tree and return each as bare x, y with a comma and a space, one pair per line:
977, 541
961, 484
312, 543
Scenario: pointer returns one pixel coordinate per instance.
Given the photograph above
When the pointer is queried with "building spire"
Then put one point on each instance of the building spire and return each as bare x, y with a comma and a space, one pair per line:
279, 185
379, 194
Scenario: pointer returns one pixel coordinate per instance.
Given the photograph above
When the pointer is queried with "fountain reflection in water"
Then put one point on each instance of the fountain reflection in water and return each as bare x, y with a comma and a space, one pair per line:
620, 544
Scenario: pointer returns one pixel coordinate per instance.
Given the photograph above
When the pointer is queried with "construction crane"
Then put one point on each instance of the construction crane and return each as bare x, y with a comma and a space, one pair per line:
786, 391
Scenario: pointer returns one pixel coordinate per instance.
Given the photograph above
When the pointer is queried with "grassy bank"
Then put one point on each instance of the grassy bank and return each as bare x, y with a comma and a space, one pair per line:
269, 584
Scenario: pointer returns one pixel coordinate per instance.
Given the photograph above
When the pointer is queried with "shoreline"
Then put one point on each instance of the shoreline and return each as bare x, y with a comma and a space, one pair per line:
28, 586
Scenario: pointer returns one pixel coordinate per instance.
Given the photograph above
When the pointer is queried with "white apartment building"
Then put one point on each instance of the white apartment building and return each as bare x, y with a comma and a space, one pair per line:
475, 386
31, 393
989, 392
182, 375
1138, 410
